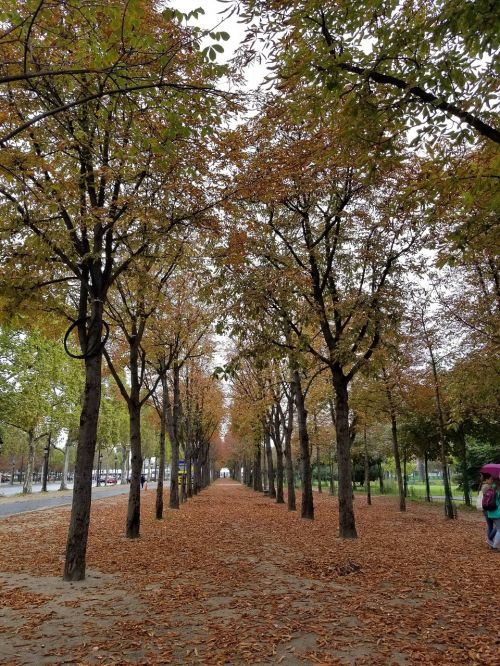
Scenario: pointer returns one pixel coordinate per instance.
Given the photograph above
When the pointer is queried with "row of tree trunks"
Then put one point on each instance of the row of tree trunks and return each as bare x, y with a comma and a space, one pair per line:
276, 434
395, 444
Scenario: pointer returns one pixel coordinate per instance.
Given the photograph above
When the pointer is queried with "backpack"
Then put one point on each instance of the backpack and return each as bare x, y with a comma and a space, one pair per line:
490, 499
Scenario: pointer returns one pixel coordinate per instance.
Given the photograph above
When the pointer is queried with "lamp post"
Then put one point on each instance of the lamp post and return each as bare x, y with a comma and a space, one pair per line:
46, 451
12, 470
116, 466
99, 463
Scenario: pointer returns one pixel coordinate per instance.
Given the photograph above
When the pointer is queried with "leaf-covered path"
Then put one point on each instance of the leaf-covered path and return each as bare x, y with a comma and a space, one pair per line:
233, 578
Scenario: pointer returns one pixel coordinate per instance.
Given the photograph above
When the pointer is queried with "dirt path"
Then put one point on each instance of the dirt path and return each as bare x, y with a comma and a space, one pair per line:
233, 578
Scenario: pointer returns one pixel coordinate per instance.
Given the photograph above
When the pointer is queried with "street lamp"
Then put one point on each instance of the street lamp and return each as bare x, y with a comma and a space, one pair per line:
99, 464
46, 451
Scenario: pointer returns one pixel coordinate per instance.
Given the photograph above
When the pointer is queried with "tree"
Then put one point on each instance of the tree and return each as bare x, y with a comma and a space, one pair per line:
76, 187
38, 388
340, 228
429, 335
425, 63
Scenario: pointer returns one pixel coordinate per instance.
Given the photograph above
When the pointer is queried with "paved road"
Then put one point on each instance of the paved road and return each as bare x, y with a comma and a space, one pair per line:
10, 506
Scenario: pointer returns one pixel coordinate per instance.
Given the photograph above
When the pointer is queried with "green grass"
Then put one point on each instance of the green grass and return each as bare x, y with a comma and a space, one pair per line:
416, 491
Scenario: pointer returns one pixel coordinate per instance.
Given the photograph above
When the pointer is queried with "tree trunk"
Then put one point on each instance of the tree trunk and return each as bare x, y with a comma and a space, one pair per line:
67, 448
367, 469
277, 416
347, 524
30, 463
448, 499
270, 465
76, 546
134, 498
395, 444
465, 472
426, 473
173, 423
307, 509
280, 497
257, 469
189, 470
163, 435
405, 472
318, 467
380, 477
290, 475
206, 475
134, 410
331, 479
264, 467
247, 473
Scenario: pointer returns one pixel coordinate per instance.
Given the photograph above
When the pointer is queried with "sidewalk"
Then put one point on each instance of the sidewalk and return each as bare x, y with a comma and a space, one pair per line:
233, 578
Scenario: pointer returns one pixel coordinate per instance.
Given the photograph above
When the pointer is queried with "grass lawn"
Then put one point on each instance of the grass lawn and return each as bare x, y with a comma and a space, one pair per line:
416, 491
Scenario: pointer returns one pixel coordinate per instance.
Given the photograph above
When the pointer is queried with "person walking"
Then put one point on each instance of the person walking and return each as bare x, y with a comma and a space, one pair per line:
494, 515
486, 483
143, 480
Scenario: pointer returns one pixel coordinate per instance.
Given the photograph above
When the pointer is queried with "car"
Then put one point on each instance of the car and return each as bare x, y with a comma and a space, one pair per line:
4, 478
107, 479
111, 479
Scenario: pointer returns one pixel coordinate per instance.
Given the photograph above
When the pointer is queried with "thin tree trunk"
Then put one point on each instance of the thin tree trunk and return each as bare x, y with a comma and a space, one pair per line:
124, 469
270, 465
380, 478
332, 449
67, 448
347, 524
318, 467
163, 435
405, 474
290, 475
426, 473
395, 444
307, 509
448, 498
173, 424
367, 469
276, 416
465, 472
189, 465
257, 469
331, 479
30, 463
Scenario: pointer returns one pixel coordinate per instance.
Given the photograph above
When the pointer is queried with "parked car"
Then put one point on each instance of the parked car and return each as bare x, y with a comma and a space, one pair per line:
4, 478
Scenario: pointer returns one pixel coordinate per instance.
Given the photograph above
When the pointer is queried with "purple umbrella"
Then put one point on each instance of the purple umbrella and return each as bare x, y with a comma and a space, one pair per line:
491, 468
